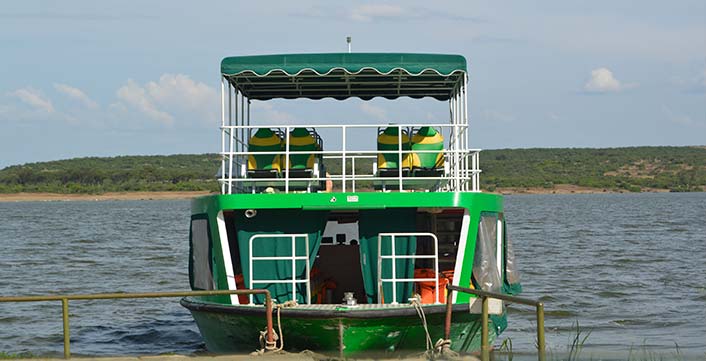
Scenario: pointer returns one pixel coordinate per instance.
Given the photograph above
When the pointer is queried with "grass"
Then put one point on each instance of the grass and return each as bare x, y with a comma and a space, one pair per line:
13, 356
577, 342
575, 347
647, 355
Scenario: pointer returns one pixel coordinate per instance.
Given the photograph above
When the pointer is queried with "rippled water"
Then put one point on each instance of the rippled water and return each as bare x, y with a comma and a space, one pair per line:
631, 268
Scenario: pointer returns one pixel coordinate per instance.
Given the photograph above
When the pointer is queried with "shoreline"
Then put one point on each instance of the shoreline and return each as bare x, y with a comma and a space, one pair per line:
174, 195
569, 189
108, 196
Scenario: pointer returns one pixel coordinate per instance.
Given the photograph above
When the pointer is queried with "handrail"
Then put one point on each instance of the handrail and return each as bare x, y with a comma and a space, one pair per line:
394, 256
461, 169
293, 258
485, 295
104, 296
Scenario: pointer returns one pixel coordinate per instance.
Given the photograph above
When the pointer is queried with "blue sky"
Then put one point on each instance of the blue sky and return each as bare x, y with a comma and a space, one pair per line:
87, 78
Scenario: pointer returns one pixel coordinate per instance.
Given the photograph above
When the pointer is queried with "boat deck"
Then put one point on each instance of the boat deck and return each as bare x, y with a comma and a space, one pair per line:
278, 356
339, 310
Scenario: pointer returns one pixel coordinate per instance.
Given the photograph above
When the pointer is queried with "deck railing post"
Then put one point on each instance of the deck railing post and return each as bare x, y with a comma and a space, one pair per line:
449, 311
65, 319
540, 332
485, 296
268, 318
485, 347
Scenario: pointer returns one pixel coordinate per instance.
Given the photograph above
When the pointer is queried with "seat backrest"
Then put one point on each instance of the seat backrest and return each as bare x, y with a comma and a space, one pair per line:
388, 140
300, 140
264, 140
427, 138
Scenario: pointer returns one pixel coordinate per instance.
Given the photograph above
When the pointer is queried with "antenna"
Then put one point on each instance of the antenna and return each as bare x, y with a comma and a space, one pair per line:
348, 40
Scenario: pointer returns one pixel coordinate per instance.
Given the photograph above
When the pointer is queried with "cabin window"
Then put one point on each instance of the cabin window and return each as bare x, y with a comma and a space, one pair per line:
201, 274
485, 262
512, 274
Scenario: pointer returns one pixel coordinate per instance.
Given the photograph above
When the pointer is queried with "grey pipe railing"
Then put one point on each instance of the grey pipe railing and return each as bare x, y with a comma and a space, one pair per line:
484, 296
106, 296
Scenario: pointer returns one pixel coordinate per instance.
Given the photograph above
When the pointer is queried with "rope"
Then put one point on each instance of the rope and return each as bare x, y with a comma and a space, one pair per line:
420, 313
442, 347
268, 346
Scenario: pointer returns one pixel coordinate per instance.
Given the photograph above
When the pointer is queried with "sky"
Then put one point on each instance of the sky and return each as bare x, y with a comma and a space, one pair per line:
89, 78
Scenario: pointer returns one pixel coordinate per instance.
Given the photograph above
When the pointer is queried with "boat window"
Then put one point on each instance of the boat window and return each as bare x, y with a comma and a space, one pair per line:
485, 266
512, 274
201, 276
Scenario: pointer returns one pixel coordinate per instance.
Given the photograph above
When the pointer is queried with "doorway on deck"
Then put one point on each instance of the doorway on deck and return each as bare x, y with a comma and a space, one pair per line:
336, 269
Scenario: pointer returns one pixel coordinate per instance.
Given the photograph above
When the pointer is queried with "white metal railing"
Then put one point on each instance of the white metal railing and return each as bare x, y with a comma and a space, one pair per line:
461, 175
460, 172
293, 259
394, 257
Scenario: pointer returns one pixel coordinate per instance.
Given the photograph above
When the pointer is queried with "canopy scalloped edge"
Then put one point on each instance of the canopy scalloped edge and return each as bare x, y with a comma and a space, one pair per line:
461, 71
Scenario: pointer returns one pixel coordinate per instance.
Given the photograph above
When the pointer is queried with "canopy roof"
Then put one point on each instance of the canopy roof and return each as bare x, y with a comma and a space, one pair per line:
345, 75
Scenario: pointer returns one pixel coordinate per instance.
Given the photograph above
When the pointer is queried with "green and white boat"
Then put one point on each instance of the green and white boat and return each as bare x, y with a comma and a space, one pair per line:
354, 229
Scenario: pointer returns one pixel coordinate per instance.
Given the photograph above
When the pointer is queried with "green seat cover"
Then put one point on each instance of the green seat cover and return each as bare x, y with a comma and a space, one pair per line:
427, 138
389, 140
264, 140
300, 140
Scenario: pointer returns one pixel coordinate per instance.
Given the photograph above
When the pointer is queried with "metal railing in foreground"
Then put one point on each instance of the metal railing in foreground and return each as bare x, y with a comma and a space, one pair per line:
484, 296
108, 296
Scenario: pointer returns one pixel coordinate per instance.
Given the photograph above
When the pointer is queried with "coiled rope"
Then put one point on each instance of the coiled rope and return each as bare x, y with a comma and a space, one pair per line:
271, 346
442, 347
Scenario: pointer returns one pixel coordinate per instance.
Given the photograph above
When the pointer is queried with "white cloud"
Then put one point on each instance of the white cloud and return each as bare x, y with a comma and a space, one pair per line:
492, 115
266, 112
369, 12
77, 94
136, 96
698, 83
681, 119
373, 111
180, 90
603, 81
34, 98
173, 96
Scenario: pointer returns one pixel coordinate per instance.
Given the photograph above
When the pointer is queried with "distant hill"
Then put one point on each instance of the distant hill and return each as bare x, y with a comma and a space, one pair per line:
180, 172
632, 169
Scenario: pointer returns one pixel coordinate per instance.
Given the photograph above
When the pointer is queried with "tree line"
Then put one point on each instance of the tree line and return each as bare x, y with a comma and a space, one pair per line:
631, 169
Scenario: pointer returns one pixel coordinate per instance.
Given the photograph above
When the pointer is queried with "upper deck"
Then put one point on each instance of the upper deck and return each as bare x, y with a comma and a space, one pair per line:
433, 156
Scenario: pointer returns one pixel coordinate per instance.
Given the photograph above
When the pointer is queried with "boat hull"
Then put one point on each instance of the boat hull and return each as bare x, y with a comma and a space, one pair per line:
236, 329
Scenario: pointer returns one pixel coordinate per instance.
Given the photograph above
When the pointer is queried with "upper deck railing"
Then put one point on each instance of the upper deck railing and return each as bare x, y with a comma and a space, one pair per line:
352, 164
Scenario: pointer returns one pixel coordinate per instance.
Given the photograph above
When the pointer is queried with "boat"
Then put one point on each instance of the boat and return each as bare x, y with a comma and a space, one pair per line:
354, 229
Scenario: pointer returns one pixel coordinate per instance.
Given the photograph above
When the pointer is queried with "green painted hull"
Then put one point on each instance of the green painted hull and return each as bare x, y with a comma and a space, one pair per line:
236, 329
230, 328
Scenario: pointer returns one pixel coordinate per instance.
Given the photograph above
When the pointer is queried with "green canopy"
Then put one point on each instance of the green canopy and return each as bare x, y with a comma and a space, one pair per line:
345, 75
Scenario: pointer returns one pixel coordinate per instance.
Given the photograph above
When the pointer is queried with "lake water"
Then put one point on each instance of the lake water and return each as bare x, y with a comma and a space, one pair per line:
628, 268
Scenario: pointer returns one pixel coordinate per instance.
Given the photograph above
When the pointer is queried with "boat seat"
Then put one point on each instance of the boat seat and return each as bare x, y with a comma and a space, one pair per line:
264, 165
388, 161
302, 163
428, 163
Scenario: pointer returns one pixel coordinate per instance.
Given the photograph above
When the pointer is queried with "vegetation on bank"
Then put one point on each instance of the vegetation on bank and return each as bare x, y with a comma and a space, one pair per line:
181, 172
631, 169
678, 169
